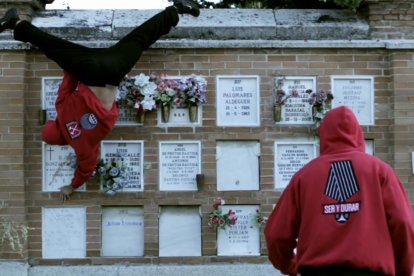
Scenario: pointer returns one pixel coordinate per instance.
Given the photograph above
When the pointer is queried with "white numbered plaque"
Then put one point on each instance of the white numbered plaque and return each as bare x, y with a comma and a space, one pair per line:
180, 162
58, 167
238, 165
63, 232
132, 154
180, 231
50, 87
290, 157
122, 231
297, 110
357, 93
179, 116
243, 238
238, 101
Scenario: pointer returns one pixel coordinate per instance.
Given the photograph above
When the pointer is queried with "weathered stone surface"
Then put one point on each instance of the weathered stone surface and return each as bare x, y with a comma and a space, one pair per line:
219, 24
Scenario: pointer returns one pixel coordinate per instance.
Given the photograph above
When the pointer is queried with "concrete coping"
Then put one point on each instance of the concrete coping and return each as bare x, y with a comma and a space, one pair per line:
220, 28
247, 44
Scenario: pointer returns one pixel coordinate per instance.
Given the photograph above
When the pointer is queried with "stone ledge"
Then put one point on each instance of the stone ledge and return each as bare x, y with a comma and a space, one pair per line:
218, 24
247, 44
22, 269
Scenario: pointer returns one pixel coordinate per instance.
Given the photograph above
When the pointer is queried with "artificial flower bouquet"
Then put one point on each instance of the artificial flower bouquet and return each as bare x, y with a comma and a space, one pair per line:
218, 219
321, 103
137, 92
113, 175
192, 90
260, 219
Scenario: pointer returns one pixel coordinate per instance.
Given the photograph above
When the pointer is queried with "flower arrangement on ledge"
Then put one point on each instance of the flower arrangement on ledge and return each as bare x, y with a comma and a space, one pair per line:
192, 91
260, 219
137, 92
146, 93
113, 175
218, 219
321, 103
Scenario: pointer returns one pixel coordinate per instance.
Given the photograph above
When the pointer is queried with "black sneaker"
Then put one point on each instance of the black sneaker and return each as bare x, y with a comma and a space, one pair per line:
9, 20
187, 6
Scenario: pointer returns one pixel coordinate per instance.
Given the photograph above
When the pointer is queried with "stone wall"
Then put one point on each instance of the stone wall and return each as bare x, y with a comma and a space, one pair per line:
391, 19
220, 49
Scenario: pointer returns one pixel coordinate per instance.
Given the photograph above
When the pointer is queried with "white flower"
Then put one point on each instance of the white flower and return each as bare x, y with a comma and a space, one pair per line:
149, 89
141, 80
148, 103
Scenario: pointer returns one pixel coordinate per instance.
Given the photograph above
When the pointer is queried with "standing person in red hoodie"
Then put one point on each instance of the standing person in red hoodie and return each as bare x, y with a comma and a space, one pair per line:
346, 212
86, 108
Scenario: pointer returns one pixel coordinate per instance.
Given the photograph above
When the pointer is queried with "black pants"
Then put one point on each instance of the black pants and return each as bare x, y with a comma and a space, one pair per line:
100, 66
335, 271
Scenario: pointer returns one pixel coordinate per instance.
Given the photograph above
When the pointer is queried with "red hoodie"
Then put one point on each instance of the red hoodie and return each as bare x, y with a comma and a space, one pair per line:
344, 208
82, 122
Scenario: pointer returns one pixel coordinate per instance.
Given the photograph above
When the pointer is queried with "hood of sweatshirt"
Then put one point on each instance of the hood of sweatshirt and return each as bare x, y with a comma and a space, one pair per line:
340, 132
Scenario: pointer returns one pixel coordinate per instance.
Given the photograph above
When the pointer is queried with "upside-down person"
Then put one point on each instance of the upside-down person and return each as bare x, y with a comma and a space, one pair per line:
86, 108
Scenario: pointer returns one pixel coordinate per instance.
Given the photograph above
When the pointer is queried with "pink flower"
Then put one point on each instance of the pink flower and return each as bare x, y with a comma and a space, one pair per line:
218, 202
222, 221
213, 221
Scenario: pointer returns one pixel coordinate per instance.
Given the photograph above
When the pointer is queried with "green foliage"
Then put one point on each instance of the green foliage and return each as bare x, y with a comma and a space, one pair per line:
349, 4
283, 4
14, 234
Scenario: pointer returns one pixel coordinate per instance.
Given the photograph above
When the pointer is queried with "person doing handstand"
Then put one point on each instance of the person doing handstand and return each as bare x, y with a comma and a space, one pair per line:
86, 107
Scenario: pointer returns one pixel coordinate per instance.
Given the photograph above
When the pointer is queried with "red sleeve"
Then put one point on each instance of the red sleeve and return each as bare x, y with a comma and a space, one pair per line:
68, 85
281, 232
86, 164
400, 219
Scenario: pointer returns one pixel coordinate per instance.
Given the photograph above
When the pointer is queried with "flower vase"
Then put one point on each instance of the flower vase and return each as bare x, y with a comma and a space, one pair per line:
165, 113
315, 111
193, 113
277, 113
140, 117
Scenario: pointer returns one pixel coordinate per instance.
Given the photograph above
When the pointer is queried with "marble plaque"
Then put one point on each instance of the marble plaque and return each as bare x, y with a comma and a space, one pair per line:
122, 231
127, 116
238, 165
50, 87
357, 93
369, 146
180, 231
180, 162
132, 154
238, 101
179, 116
63, 232
296, 110
243, 238
58, 167
412, 161
290, 157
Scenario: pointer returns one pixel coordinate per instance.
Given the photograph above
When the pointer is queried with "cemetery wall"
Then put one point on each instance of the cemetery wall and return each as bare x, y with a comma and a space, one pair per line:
384, 68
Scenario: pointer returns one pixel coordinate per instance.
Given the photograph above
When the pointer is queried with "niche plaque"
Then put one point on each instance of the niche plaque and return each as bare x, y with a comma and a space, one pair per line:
131, 153
289, 158
357, 93
63, 232
243, 238
58, 167
50, 87
122, 231
180, 231
296, 110
180, 162
238, 101
238, 165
